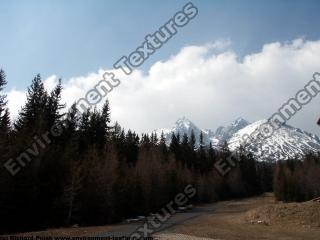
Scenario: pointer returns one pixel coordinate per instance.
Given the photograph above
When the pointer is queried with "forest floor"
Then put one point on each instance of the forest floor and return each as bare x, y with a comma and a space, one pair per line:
257, 218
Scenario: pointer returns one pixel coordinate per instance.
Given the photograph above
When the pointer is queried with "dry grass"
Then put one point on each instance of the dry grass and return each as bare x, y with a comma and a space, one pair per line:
179, 237
299, 214
67, 232
259, 218
256, 219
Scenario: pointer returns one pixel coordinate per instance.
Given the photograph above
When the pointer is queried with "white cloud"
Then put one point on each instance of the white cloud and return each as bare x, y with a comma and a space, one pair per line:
210, 84
16, 99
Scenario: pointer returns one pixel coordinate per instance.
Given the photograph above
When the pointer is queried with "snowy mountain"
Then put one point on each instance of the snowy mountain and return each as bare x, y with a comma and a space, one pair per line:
223, 134
181, 126
286, 142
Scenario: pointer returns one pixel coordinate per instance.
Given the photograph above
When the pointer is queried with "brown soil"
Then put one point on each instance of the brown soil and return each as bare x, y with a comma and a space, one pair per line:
257, 218
299, 214
67, 232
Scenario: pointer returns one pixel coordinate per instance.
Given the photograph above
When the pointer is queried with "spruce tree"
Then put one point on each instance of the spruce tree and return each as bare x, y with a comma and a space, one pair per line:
115, 132
84, 132
163, 147
192, 141
105, 120
185, 150
175, 146
6, 180
32, 117
154, 139
4, 112
3, 101
202, 159
54, 107
211, 156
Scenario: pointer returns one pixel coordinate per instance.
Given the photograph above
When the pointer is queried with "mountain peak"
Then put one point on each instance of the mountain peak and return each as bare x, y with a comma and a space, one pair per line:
183, 119
225, 133
184, 123
184, 126
286, 142
240, 121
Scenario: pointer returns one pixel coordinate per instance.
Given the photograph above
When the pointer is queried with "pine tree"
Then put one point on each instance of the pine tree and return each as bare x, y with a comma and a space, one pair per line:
98, 174
154, 139
32, 117
105, 121
249, 173
185, 150
85, 138
202, 159
54, 107
71, 123
6, 181
145, 140
192, 141
211, 156
3, 101
132, 147
115, 132
4, 112
175, 146
163, 147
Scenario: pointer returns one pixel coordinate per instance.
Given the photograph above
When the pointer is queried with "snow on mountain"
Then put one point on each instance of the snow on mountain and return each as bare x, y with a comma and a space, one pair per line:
286, 142
223, 134
182, 126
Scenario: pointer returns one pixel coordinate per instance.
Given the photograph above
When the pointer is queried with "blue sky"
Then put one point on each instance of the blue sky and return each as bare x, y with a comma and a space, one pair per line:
270, 50
72, 38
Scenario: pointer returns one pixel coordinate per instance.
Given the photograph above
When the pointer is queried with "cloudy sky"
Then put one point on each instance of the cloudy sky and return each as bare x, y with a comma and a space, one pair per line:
232, 60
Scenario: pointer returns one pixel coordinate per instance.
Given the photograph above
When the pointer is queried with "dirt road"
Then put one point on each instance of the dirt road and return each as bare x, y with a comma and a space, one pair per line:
258, 218
176, 220
241, 220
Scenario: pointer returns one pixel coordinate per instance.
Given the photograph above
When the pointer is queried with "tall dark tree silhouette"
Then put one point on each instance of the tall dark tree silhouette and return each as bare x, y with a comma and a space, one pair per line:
4, 112
94, 173
175, 146
6, 183
192, 141
163, 146
32, 116
202, 163
211, 157
54, 106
